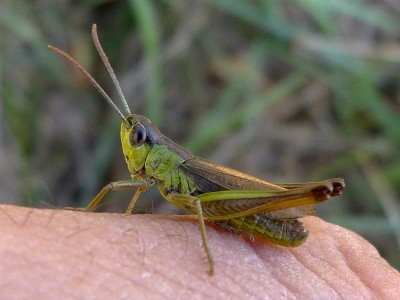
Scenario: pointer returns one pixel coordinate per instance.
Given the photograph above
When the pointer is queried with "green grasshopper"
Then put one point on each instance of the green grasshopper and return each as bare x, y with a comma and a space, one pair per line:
233, 200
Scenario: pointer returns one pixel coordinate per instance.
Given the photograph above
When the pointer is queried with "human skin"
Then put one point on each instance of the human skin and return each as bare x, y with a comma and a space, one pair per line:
48, 254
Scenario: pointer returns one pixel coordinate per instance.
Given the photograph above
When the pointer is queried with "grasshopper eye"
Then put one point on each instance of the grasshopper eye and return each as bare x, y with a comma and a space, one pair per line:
137, 135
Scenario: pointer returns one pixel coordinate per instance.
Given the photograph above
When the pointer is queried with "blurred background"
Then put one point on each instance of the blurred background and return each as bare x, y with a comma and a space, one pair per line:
283, 90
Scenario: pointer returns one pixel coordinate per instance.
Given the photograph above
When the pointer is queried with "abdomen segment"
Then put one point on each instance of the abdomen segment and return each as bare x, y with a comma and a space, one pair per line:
285, 232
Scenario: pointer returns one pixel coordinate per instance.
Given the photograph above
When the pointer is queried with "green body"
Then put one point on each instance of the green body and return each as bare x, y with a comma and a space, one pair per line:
170, 165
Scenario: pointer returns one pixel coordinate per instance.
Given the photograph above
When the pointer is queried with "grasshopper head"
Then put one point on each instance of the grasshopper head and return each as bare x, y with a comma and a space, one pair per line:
135, 143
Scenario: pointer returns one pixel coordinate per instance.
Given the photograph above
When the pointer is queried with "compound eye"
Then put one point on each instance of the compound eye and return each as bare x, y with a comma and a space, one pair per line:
137, 135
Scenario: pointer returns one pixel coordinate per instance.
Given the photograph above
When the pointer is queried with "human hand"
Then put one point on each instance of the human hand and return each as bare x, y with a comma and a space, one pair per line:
68, 254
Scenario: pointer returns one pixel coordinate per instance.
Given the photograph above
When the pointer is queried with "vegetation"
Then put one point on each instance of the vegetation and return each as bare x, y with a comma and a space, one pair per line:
284, 90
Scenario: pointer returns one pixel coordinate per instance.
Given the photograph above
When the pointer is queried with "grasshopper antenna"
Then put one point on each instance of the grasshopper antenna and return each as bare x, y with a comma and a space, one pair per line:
110, 70
91, 79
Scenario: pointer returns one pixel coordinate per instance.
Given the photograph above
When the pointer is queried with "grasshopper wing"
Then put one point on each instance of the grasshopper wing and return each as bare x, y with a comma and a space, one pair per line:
228, 193
211, 177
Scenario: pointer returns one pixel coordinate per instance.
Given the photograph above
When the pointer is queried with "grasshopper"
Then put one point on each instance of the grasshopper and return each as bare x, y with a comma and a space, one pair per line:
235, 201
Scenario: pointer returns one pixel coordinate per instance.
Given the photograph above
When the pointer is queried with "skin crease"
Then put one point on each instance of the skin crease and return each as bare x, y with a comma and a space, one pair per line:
48, 254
